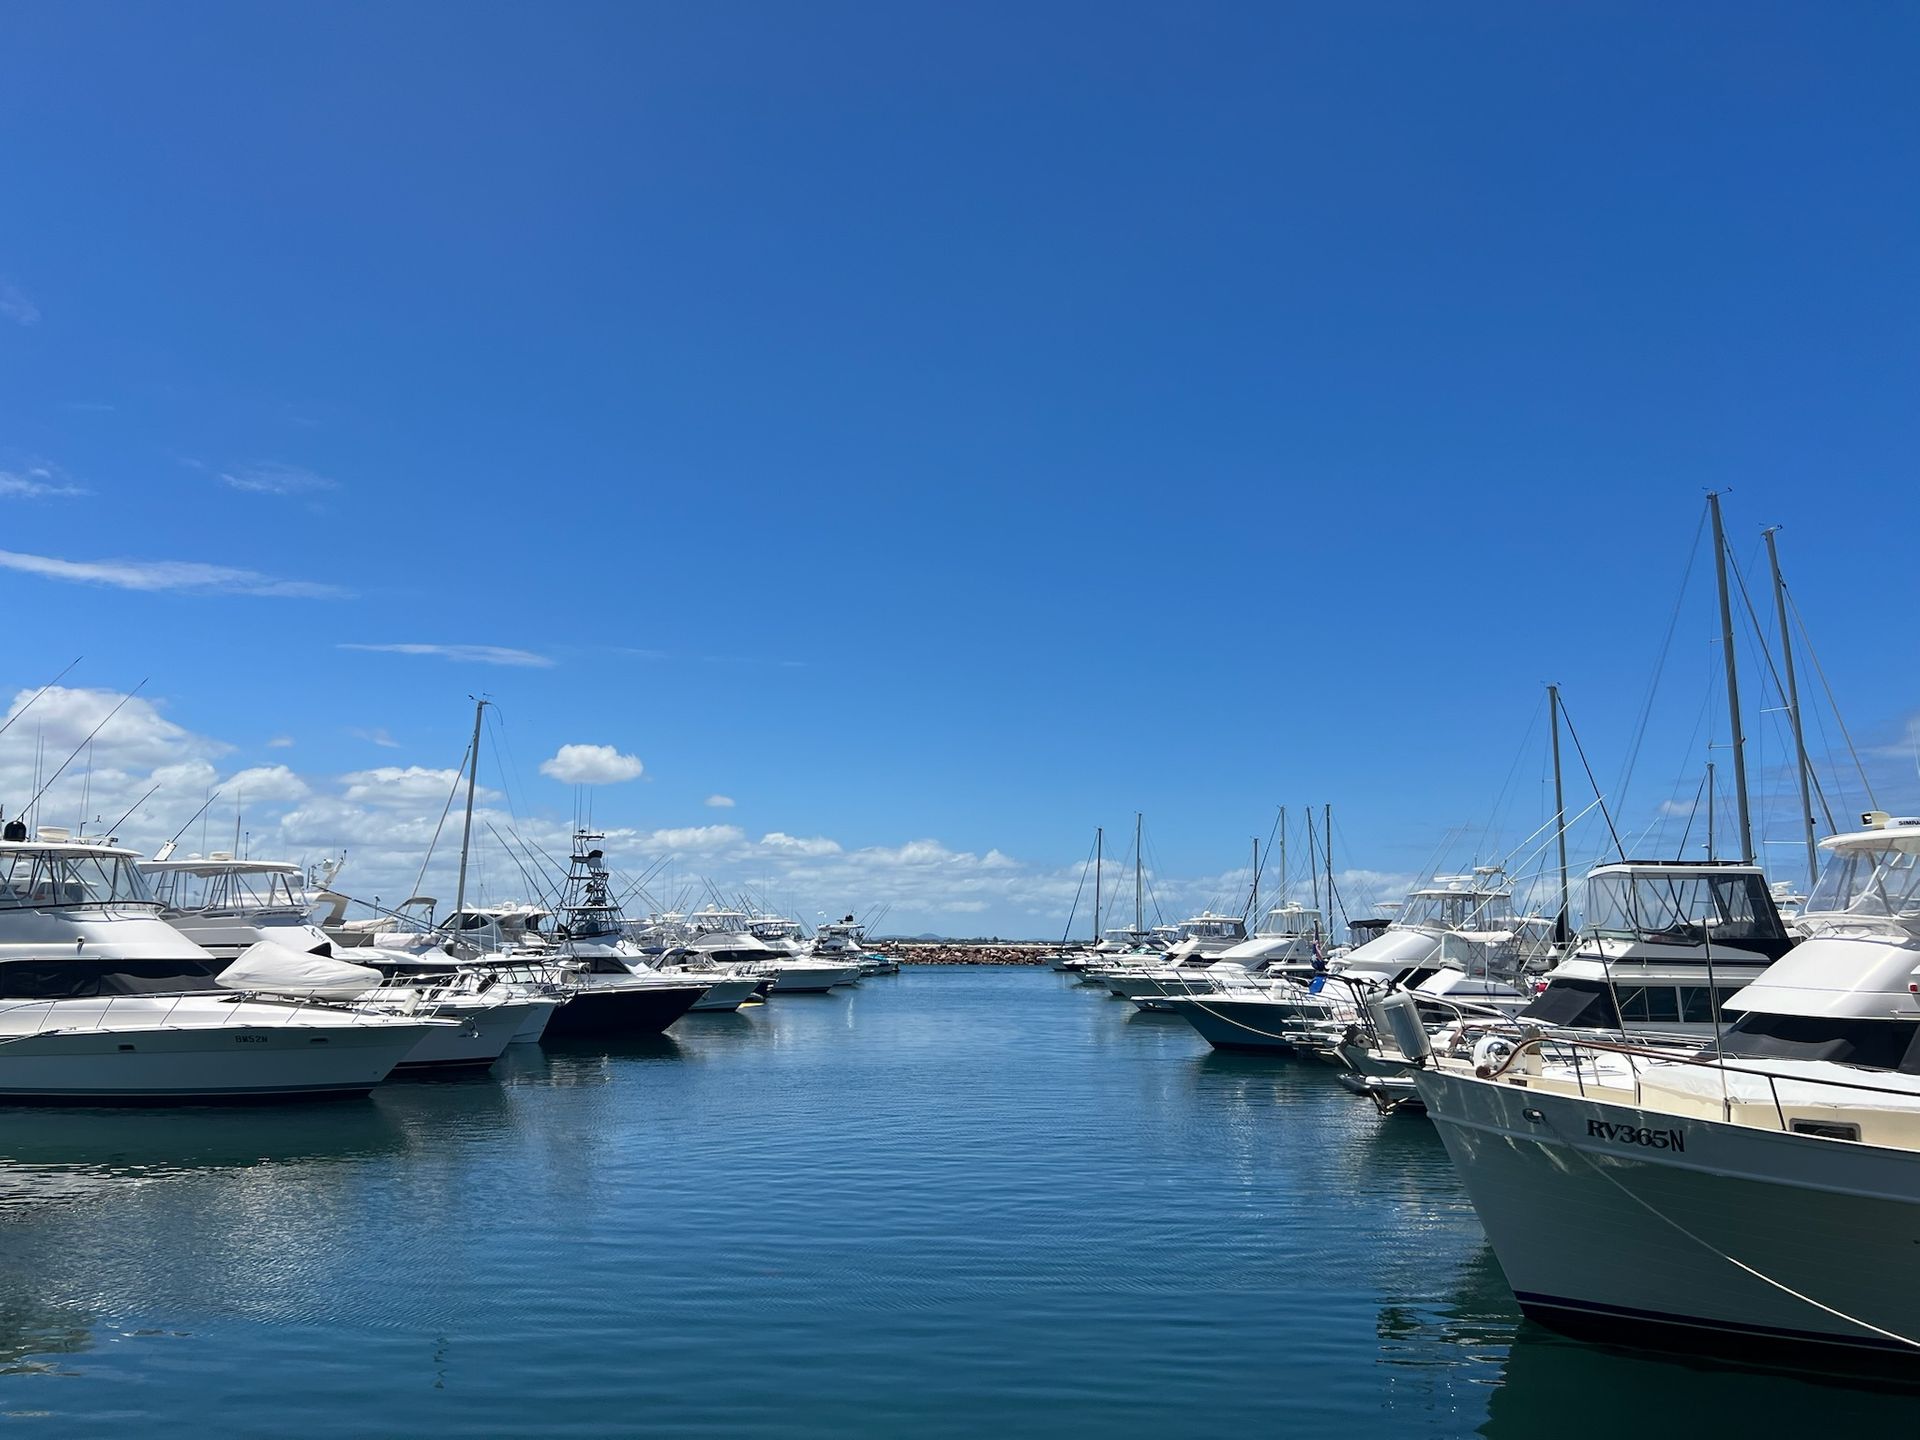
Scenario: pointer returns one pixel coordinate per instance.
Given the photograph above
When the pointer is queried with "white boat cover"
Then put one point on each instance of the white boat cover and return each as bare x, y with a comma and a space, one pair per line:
274, 969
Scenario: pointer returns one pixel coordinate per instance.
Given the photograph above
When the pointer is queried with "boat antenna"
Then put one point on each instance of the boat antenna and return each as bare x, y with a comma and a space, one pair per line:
466, 835
1561, 920
1793, 704
1738, 738
38, 693
84, 743
1326, 848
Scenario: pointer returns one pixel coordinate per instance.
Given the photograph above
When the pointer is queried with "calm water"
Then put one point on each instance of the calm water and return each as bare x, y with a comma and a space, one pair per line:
951, 1202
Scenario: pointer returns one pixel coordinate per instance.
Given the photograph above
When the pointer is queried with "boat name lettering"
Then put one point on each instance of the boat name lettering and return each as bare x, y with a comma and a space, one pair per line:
249, 1039
1637, 1135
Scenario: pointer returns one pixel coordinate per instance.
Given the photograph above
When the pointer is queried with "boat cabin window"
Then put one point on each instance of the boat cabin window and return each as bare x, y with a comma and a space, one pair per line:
1872, 1043
49, 879
1879, 881
1681, 909
88, 979
1596, 1005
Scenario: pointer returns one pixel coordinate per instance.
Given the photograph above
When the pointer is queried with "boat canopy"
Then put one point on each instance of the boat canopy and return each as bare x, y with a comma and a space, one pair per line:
223, 884
1681, 903
1870, 875
276, 970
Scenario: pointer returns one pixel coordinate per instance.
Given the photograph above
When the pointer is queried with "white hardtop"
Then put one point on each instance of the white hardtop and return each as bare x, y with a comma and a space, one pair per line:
219, 865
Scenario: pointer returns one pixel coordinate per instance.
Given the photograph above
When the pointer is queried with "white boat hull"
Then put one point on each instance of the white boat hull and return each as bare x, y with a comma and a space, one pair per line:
201, 1064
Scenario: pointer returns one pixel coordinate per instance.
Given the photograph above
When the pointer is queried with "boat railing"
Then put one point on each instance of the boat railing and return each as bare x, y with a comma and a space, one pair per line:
1567, 1051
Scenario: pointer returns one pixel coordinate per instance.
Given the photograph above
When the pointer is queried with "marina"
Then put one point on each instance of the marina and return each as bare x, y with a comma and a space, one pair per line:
940, 1204
913, 720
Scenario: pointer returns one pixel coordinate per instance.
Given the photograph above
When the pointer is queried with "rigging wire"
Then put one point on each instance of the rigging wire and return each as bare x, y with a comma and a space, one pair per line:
1660, 665
1839, 719
1580, 750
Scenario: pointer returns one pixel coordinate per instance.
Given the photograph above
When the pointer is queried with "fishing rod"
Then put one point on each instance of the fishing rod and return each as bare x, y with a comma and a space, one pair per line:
83, 745
167, 849
38, 693
114, 828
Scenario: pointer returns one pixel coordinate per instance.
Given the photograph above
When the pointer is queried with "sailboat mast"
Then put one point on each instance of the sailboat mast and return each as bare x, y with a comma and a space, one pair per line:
1733, 681
1713, 799
1793, 706
1559, 818
1099, 840
1255, 901
1138, 913
466, 835
1326, 848
1284, 892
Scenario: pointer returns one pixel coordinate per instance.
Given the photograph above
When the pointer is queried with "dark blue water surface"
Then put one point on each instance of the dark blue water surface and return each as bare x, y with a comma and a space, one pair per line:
951, 1202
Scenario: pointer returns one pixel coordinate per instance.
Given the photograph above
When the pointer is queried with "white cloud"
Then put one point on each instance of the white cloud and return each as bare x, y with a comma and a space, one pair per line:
465, 654
376, 736
695, 839
797, 845
388, 785
37, 482
264, 783
719, 802
269, 478
280, 742
15, 305
184, 576
592, 765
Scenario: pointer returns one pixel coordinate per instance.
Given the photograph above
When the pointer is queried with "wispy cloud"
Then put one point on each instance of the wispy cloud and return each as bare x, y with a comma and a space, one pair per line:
465, 654
90, 407
37, 483
15, 305
182, 576
280, 742
376, 736
719, 802
269, 478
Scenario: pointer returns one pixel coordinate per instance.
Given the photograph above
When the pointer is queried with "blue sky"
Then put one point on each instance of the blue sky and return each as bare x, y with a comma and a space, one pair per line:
943, 429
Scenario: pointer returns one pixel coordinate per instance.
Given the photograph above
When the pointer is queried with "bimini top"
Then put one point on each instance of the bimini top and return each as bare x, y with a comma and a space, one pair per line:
211, 865
67, 847
1883, 832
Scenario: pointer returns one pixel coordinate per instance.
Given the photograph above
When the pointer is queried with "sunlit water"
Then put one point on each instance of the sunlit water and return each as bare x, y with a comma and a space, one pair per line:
951, 1202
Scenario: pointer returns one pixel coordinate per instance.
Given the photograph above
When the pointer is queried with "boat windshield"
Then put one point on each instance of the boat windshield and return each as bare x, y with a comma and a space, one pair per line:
1214, 928
232, 890
1881, 882
1290, 920
1681, 908
1455, 910
56, 879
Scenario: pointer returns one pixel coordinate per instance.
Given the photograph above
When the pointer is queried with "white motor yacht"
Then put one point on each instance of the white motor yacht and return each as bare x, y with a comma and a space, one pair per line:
1461, 922
1759, 1193
227, 906
101, 1001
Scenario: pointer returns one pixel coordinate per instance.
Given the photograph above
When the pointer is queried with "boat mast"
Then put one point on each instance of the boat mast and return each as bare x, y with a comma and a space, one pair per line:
1098, 839
1559, 817
1283, 855
1793, 706
1255, 902
466, 835
1713, 799
1326, 848
1739, 740
1137, 911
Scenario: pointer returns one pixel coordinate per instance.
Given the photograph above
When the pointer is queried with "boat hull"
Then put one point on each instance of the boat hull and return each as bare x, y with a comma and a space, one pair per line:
481, 1037
1649, 1227
201, 1065
726, 995
623, 1010
1246, 1025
